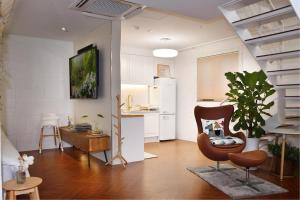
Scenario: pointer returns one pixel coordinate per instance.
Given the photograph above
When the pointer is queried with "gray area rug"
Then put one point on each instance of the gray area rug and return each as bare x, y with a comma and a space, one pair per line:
224, 181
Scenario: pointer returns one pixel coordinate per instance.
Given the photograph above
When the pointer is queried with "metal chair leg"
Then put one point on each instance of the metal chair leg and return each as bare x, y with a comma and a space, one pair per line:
247, 182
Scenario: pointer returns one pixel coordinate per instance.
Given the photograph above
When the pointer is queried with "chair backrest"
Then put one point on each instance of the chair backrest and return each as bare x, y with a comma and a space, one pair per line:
50, 119
214, 113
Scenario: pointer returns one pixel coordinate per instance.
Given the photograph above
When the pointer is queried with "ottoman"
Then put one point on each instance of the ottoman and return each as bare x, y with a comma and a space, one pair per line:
247, 160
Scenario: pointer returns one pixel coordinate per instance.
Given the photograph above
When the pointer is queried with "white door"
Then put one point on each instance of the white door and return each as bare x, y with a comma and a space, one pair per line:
167, 95
167, 127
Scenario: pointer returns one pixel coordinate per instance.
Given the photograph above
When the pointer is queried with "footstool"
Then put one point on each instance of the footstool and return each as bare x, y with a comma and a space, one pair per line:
248, 159
29, 187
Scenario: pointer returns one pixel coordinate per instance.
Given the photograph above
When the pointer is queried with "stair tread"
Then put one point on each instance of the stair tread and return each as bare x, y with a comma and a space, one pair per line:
292, 117
271, 15
280, 53
294, 130
292, 96
283, 70
295, 107
261, 14
273, 34
296, 84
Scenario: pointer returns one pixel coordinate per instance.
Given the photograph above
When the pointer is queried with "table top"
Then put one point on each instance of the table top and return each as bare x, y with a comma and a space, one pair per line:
88, 134
30, 182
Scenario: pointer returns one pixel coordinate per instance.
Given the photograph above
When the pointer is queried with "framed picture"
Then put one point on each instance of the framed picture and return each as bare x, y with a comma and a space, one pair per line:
163, 70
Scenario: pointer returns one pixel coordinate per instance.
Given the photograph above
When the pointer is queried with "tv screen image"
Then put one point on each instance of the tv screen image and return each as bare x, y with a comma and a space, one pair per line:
84, 74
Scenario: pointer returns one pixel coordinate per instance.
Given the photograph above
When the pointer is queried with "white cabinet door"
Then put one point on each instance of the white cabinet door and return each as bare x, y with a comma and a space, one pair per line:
167, 127
151, 124
125, 68
137, 69
148, 70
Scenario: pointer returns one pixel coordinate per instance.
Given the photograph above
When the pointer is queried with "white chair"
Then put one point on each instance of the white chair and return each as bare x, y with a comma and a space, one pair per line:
50, 120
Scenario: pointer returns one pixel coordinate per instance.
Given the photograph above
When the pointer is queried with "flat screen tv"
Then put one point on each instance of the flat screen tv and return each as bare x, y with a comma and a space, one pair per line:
84, 74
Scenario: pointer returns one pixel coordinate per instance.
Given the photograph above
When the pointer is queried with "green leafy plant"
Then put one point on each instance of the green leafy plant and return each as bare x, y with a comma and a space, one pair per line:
291, 153
249, 92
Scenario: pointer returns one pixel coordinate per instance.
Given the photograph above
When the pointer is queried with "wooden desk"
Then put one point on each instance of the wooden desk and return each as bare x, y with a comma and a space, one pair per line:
85, 141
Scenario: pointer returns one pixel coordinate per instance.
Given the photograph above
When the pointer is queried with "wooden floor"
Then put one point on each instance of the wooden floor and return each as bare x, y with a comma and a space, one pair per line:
67, 176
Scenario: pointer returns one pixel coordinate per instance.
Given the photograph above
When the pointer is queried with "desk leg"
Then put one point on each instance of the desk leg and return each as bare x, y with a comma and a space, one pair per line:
282, 156
105, 156
89, 163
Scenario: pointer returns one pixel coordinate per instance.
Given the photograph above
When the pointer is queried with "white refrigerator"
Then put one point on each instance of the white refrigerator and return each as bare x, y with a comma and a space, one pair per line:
163, 96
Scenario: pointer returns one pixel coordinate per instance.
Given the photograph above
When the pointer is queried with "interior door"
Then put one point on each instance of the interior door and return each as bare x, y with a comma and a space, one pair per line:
167, 127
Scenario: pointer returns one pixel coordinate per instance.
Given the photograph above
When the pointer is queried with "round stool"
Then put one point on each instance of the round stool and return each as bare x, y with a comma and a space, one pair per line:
248, 159
29, 187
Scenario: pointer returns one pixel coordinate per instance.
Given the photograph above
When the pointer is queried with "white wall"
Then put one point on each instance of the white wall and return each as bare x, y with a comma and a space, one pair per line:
186, 75
38, 83
102, 37
91, 107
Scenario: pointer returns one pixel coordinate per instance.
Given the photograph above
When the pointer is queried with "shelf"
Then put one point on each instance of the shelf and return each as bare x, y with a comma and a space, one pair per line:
283, 71
275, 37
266, 17
276, 56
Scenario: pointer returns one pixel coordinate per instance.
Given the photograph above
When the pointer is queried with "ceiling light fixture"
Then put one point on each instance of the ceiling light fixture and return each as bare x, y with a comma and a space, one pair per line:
165, 53
64, 29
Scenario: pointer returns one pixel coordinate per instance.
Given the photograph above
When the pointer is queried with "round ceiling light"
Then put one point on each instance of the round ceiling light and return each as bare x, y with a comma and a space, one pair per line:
165, 53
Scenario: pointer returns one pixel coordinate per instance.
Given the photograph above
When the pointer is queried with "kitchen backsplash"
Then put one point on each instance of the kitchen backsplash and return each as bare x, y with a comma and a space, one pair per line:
139, 94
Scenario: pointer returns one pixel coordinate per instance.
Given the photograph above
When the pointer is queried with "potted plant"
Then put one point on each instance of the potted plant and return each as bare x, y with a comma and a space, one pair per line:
291, 155
249, 92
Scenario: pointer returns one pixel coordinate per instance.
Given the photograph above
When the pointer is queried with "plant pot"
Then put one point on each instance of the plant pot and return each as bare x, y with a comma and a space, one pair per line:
251, 144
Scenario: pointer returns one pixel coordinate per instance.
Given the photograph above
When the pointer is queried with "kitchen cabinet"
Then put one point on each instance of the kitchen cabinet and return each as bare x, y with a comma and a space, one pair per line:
151, 124
137, 69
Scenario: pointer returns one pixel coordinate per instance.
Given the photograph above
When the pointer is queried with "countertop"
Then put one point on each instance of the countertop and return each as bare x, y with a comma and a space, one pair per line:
130, 115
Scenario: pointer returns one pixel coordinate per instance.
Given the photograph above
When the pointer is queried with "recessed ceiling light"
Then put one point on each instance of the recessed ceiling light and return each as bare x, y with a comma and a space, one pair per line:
64, 29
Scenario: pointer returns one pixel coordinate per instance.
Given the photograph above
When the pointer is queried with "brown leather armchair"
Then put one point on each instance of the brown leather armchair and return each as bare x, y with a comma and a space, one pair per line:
220, 152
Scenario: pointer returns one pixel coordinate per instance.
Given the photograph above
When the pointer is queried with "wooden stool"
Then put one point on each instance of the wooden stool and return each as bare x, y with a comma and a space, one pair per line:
29, 187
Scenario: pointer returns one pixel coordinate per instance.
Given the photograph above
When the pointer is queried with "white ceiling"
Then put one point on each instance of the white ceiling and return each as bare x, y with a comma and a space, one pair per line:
146, 30
44, 18
202, 9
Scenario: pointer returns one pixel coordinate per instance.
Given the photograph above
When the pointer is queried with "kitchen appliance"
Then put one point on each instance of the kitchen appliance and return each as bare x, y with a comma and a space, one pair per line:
163, 96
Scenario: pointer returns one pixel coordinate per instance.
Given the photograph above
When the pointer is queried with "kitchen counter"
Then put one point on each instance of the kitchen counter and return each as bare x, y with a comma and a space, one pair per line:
139, 112
132, 129
131, 115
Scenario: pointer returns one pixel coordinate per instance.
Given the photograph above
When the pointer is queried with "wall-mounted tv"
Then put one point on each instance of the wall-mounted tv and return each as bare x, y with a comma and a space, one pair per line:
84, 74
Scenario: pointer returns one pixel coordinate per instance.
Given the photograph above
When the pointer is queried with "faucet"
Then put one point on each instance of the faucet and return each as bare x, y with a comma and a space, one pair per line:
129, 102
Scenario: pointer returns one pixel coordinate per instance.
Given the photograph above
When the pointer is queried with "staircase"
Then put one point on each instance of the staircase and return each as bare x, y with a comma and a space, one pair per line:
270, 29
